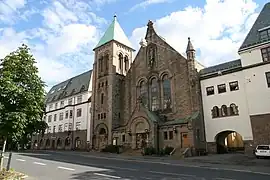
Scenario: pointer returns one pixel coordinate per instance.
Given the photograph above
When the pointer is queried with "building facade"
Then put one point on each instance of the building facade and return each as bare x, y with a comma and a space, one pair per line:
236, 94
68, 115
152, 101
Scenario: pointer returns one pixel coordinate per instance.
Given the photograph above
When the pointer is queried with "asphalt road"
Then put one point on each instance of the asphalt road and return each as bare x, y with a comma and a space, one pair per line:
65, 166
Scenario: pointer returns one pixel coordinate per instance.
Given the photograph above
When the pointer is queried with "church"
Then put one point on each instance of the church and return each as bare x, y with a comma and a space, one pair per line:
160, 98
152, 101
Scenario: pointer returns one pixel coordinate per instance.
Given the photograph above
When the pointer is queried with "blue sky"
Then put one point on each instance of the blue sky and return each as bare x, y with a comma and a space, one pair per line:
62, 33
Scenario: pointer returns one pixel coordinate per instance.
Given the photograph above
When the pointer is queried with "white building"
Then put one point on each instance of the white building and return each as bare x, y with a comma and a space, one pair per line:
68, 114
236, 94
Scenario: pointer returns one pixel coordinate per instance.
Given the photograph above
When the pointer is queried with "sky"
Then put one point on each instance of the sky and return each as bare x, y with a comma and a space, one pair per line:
63, 33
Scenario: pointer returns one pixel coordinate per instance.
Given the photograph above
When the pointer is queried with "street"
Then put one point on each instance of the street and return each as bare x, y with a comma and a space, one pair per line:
65, 165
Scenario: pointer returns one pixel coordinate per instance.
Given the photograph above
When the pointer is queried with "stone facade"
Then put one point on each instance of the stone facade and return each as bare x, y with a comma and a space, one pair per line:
261, 129
155, 101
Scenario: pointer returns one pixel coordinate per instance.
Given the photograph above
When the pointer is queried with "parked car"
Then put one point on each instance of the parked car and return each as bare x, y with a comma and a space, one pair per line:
262, 151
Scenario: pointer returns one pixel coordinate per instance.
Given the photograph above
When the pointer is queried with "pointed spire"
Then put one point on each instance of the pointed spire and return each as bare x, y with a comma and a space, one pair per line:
190, 46
116, 33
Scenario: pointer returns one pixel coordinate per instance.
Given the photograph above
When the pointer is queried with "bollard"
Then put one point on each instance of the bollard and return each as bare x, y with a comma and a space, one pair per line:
9, 161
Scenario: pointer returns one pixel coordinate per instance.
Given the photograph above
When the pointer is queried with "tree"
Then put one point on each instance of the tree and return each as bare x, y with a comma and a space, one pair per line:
22, 94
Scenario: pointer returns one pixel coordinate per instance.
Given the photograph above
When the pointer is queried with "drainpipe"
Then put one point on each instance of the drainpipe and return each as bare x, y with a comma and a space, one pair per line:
73, 119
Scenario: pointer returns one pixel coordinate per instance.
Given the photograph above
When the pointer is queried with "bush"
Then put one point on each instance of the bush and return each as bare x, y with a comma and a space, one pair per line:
111, 149
149, 151
168, 150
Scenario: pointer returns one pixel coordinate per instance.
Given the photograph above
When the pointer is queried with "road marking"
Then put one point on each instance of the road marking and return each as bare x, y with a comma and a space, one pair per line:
122, 168
174, 174
223, 179
106, 175
38, 163
65, 168
20, 160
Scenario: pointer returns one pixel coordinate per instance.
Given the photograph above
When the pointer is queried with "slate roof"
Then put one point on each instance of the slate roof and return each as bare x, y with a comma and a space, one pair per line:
262, 21
70, 87
221, 67
114, 32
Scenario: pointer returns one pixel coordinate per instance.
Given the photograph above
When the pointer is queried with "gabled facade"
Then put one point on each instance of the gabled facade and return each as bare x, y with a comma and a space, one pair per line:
153, 101
236, 94
68, 115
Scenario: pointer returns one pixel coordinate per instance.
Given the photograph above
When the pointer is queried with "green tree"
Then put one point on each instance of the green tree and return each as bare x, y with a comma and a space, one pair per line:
22, 94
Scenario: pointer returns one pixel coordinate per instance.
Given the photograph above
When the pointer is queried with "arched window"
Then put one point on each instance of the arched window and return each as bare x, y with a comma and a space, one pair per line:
126, 63
120, 57
233, 109
102, 98
224, 110
215, 112
106, 61
101, 64
166, 85
143, 93
154, 94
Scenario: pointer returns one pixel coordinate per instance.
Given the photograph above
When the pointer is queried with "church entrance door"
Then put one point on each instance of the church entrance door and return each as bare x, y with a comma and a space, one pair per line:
141, 140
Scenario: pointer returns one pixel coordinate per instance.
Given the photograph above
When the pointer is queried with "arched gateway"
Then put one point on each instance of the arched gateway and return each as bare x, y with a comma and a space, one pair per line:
229, 141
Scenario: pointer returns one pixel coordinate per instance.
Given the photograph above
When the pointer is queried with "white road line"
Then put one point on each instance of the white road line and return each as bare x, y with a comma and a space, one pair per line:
174, 174
38, 163
20, 160
65, 168
106, 175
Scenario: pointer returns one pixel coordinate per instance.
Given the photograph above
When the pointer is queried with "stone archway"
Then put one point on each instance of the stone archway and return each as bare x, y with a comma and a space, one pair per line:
140, 130
41, 143
47, 144
59, 143
229, 141
101, 136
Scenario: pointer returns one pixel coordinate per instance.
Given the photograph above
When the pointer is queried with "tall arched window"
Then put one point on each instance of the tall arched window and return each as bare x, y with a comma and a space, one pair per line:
106, 61
120, 58
126, 63
224, 110
102, 98
154, 94
101, 64
215, 112
143, 93
233, 109
166, 85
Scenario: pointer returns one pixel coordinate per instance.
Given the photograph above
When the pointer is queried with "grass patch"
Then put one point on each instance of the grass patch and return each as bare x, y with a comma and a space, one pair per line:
11, 175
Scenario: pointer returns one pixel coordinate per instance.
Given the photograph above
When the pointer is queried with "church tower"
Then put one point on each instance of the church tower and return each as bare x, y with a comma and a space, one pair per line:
113, 56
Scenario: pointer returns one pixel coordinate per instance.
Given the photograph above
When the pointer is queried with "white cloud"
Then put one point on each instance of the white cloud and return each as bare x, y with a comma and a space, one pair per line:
146, 3
63, 46
216, 30
9, 8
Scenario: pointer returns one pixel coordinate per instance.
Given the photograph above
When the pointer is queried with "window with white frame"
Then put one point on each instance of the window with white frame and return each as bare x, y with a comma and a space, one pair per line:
79, 99
70, 126
78, 125
49, 118
60, 128
62, 103
61, 116
55, 117
70, 101
79, 112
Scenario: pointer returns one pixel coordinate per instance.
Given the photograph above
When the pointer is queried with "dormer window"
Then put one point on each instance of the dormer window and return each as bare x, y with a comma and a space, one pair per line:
265, 35
82, 88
